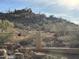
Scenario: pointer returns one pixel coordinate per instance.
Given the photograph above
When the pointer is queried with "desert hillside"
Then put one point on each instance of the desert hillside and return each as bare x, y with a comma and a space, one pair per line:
30, 25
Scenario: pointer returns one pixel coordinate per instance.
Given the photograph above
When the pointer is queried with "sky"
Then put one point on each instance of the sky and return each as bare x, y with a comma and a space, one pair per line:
68, 9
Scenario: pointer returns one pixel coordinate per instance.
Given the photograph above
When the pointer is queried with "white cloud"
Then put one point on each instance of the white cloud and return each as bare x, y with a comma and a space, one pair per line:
76, 22
73, 4
40, 2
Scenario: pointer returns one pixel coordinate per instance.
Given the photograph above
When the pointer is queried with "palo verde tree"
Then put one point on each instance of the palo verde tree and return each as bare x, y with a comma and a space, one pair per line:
5, 25
5, 33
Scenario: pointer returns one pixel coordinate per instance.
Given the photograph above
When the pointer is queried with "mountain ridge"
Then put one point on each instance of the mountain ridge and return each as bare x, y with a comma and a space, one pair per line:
27, 18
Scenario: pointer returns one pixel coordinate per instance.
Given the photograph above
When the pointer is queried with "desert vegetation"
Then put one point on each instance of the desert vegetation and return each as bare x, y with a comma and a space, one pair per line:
26, 23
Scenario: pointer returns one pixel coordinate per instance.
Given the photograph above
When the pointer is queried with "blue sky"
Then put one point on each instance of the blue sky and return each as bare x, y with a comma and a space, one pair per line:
67, 9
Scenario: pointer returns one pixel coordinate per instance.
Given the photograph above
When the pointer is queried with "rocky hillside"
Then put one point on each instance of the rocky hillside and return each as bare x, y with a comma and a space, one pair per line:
66, 31
27, 19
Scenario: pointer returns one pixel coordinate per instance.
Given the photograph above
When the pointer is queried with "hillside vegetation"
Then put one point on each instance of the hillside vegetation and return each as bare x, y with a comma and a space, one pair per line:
26, 19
